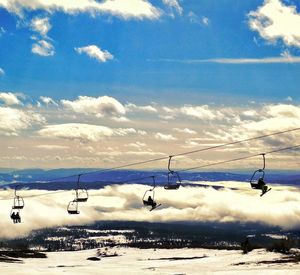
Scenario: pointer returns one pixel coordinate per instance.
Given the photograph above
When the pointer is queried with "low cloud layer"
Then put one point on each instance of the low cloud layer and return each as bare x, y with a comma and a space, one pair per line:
280, 207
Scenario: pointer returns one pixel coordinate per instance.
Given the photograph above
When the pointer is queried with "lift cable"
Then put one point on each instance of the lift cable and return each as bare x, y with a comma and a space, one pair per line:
182, 170
177, 155
240, 158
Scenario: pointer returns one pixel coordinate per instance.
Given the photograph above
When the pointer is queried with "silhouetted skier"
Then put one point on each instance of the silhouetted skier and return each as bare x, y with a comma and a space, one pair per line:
13, 217
18, 218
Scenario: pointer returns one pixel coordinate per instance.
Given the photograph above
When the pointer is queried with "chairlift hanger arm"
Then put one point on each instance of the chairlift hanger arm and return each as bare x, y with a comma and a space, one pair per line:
154, 182
264, 161
169, 164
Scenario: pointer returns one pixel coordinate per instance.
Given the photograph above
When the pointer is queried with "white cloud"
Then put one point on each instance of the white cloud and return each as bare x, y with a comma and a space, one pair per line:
142, 132
48, 100
283, 110
129, 153
83, 132
274, 20
169, 113
205, 20
174, 4
272, 118
201, 112
164, 137
125, 9
120, 119
43, 48
289, 98
99, 106
41, 25
95, 52
137, 145
13, 120
52, 147
148, 108
9, 98
2, 72
185, 131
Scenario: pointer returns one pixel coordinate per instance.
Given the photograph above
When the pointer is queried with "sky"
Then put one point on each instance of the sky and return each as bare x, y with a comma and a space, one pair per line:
102, 83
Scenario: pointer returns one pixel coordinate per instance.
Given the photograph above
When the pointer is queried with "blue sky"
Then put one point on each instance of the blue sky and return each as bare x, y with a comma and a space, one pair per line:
139, 47
114, 73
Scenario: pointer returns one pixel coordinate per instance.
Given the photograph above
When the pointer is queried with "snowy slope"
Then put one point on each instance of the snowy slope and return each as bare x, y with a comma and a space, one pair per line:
137, 261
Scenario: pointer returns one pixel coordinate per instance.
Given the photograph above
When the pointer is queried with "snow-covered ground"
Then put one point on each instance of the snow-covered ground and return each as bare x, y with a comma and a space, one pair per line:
148, 261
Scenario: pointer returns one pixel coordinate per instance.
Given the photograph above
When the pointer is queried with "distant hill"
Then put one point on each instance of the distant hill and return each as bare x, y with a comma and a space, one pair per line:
64, 178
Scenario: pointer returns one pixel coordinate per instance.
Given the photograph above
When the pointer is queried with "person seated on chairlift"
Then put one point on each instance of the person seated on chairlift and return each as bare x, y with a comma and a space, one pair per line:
262, 185
151, 202
13, 217
17, 217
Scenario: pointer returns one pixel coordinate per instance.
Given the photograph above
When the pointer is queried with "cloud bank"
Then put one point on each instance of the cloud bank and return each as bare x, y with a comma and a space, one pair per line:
280, 207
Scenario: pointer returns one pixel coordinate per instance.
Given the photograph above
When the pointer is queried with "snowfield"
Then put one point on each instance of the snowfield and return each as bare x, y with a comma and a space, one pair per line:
150, 261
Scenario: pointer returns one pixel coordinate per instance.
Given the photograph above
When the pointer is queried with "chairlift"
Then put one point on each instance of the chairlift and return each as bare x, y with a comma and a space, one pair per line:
81, 193
149, 197
257, 180
73, 208
174, 180
18, 202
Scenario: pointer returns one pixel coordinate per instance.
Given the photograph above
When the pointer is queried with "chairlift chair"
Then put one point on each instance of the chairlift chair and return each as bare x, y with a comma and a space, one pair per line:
257, 180
174, 181
149, 196
73, 208
81, 195
18, 202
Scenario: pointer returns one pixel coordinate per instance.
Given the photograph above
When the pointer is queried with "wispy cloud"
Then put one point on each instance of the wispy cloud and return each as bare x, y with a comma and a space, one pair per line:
174, 5
43, 48
2, 72
264, 60
195, 19
41, 25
